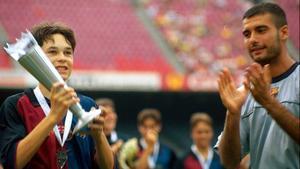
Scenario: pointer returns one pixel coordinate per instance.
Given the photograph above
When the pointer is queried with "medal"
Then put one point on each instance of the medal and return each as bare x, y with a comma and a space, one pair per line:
62, 158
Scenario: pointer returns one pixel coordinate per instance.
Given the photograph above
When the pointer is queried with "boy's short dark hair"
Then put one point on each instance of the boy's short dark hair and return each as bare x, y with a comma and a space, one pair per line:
43, 32
278, 14
200, 117
149, 114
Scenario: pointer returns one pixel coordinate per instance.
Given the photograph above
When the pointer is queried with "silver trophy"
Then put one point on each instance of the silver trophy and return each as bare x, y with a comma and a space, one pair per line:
29, 54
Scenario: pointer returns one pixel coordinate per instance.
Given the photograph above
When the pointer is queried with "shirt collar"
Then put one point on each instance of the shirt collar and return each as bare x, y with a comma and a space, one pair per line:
144, 144
286, 73
31, 96
205, 163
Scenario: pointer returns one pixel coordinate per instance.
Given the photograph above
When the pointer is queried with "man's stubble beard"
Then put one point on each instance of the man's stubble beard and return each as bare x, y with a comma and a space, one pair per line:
273, 53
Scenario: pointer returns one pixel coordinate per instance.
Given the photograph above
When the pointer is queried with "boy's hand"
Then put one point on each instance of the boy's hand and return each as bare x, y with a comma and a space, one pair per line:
61, 99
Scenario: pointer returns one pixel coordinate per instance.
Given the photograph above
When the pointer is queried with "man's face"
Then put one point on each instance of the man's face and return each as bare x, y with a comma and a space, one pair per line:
147, 125
202, 135
261, 38
60, 53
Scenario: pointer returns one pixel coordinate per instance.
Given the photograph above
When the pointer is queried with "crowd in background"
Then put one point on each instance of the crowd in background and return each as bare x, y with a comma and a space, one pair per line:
202, 45
205, 34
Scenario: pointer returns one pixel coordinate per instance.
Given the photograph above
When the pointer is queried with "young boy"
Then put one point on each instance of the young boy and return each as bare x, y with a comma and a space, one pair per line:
27, 136
201, 154
150, 153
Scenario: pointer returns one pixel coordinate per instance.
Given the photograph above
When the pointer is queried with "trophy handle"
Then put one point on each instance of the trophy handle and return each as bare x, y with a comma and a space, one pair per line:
86, 118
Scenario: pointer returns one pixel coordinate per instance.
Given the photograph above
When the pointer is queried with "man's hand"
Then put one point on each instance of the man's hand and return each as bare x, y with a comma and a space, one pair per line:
260, 79
260, 83
61, 99
232, 98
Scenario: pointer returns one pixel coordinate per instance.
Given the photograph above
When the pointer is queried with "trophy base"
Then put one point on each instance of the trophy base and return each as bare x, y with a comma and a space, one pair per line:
85, 119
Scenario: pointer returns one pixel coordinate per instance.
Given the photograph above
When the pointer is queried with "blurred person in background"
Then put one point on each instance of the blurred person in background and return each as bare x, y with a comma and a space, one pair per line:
201, 154
28, 119
147, 152
263, 115
111, 118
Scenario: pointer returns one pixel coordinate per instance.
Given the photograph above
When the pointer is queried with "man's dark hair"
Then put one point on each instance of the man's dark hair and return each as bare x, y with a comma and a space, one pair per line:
149, 114
43, 32
278, 15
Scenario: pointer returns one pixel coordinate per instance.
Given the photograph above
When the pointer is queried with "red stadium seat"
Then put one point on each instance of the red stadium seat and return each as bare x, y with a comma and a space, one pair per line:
109, 34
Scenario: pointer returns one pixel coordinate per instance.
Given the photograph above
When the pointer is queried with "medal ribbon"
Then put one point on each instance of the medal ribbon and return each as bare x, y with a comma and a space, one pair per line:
46, 109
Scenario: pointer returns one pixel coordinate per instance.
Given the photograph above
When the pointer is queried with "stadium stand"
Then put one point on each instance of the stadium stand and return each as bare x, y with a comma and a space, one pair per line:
205, 34
109, 34
292, 11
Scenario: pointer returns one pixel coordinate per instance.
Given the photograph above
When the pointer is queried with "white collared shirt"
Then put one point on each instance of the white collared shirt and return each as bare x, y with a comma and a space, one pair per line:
205, 163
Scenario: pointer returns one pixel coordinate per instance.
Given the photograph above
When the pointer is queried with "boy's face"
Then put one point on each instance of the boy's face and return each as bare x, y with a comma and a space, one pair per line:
148, 125
60, 53
202, 135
